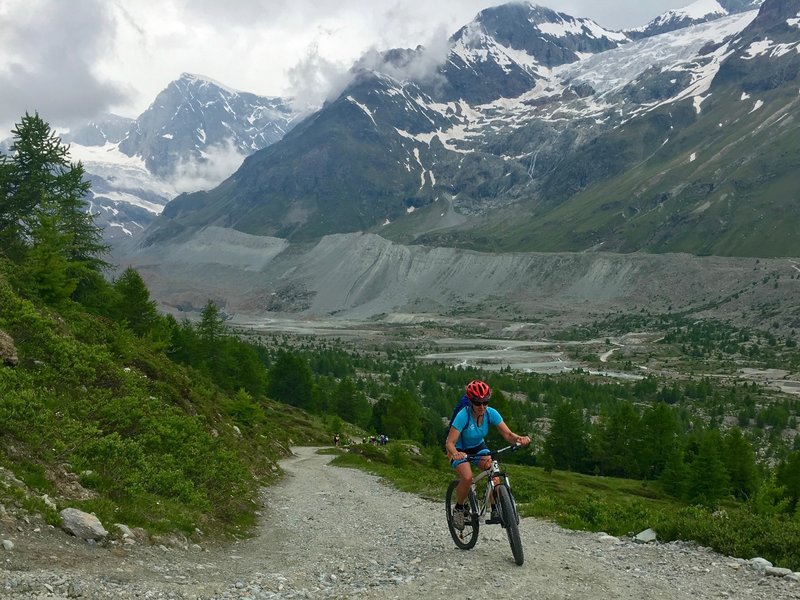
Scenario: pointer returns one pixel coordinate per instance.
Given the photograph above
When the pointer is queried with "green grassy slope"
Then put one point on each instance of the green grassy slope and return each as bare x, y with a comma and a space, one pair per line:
722, 183
96, 419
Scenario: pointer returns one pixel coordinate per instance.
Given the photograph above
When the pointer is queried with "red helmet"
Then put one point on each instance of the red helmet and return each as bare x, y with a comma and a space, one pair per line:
478, 390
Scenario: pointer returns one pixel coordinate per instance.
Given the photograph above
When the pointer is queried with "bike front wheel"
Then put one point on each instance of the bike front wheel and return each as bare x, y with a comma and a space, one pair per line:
508, 517
467, 537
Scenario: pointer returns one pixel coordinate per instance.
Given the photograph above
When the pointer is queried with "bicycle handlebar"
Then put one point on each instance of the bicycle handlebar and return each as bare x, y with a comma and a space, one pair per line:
471, 457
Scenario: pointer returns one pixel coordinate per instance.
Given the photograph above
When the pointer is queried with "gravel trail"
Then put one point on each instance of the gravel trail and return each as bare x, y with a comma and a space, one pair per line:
327, 532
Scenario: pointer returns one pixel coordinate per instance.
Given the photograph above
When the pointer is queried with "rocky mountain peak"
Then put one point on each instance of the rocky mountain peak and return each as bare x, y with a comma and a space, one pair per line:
195, 113
700, 11
506, 49
107, 129
538, 30
779, 16
764, 53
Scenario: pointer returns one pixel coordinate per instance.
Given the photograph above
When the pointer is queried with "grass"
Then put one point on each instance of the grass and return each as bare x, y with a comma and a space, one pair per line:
534, 489
151, 442
617, 506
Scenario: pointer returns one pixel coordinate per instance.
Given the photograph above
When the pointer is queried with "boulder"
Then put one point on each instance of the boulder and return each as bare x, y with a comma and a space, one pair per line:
648, 535
8, 352
82, 525
759, 564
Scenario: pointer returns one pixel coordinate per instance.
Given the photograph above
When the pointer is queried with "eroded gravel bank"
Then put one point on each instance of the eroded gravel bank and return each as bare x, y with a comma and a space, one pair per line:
339, 533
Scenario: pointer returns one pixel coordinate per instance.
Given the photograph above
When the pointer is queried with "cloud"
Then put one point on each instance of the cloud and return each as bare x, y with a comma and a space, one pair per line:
219, 162
71, 60
420, 65
315, 79
49, 50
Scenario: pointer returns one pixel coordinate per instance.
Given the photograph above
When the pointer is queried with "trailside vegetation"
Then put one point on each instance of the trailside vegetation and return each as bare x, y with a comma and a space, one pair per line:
109, 406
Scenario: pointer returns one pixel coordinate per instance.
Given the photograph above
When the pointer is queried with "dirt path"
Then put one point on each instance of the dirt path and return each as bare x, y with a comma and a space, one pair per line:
339, 533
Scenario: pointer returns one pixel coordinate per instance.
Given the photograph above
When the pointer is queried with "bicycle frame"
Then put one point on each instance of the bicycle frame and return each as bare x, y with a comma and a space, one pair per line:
495, 477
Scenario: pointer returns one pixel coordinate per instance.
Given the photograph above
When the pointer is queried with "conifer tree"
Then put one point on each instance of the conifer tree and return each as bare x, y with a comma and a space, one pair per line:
402, 418
740, 461
658, 439
46, 271
134, 305
565, 446
210, 330
290, 381
674, 477
788, 475
708, 478
349, 403
617, 441
42, 192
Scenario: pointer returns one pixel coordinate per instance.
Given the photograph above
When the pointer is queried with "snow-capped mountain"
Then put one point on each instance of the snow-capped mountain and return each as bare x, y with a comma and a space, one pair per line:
196, 133
685, 142
700, 11
500, 144
195, 114
508, 48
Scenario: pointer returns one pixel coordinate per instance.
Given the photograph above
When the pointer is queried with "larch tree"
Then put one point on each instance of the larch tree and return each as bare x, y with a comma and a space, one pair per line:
42, 203
565, 446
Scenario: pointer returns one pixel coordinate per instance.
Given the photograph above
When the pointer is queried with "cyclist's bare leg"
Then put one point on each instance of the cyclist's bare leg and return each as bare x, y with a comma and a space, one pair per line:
464, 471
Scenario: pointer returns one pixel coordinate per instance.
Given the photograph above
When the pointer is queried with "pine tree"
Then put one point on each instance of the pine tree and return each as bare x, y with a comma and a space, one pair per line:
402, 419
674, 476
210, 330
788, 475
566, 442
658, 438
134, 305
740, 461
349, 403
708, 478
40, 189
617, 441
291, 382
46, 271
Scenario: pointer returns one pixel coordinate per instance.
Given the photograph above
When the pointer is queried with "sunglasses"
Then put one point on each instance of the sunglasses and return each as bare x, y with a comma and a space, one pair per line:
478, 403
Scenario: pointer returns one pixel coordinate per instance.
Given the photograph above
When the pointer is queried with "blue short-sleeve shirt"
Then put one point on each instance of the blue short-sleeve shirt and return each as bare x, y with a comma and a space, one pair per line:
471, 434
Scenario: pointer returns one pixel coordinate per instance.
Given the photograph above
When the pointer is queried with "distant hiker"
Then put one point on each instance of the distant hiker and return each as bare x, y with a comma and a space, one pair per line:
467, 436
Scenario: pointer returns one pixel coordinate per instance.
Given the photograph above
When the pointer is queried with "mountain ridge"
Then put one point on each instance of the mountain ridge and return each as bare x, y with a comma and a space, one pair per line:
390, 153
364, 276
194, 135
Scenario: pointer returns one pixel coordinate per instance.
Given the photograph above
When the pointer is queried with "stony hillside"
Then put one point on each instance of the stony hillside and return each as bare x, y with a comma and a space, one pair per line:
366, 276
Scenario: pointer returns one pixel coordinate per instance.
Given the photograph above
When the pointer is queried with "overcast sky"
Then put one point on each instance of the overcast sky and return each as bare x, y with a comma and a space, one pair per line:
73, 59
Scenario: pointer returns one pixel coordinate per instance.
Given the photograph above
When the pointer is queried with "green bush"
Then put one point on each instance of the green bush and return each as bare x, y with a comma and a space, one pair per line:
398, 455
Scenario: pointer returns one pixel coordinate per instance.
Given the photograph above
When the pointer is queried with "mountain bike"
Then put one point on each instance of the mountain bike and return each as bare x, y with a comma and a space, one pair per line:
496, 486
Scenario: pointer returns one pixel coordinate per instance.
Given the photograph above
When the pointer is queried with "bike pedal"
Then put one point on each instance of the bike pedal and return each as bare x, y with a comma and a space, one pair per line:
493, 521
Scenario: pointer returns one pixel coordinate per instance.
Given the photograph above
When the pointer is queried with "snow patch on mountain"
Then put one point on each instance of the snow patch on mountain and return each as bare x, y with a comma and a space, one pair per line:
363, 107
107, 154
616, 68
579, 27
131, 199
769, 48
696, 10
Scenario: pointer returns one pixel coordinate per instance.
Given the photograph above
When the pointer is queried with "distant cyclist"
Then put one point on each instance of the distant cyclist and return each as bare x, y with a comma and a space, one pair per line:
466, 436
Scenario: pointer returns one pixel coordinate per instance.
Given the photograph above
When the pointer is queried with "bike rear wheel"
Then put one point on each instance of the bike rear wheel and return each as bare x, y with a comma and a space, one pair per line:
508, 516
467, 537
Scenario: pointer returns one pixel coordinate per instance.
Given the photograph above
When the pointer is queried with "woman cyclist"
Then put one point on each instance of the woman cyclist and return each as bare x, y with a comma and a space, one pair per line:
467, 434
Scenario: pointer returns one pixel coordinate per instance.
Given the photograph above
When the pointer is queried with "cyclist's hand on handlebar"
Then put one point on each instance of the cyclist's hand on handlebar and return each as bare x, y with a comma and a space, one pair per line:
458, 456
523, 440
